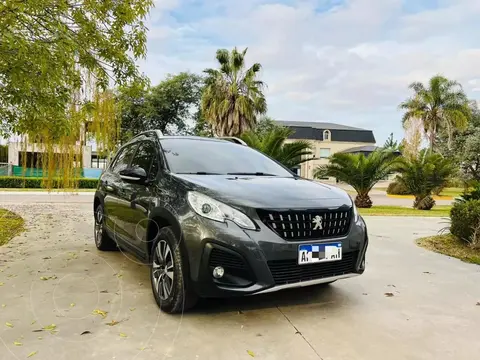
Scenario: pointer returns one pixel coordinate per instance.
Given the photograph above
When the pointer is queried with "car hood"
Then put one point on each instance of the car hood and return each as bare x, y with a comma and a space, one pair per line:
267, 191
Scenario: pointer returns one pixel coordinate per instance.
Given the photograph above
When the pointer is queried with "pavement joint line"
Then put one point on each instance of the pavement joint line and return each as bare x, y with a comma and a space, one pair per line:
299, 332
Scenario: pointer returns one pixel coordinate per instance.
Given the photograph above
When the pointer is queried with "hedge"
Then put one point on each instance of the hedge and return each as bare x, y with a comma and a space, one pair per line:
464, 217
16, 182
396, 188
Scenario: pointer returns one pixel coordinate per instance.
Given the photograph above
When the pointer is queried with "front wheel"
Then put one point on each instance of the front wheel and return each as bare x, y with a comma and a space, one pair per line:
103, 242
168, 274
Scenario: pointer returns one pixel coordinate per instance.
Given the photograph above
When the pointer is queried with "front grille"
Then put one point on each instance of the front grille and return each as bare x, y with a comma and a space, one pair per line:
288, 271
307, 224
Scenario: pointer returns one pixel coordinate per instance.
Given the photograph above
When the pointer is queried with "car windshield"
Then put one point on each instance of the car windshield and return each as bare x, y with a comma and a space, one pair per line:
207, 157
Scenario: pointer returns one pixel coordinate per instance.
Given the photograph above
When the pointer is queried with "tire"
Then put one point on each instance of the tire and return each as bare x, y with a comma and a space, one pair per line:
169, 274
103, 242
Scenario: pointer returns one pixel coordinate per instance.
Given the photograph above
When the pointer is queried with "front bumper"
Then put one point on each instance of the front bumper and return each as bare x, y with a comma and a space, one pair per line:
269, 262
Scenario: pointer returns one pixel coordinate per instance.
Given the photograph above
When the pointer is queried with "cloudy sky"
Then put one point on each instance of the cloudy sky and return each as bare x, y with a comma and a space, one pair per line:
343, 61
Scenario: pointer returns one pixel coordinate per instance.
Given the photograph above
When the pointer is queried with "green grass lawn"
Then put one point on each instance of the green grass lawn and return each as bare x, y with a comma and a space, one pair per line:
10, 226
437, 211
46, 190
452, 191
449, 245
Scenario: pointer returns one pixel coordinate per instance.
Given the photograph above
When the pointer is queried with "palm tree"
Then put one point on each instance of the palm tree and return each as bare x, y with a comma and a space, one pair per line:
233, 96
423, 174
271, 142
441, 104
359, 171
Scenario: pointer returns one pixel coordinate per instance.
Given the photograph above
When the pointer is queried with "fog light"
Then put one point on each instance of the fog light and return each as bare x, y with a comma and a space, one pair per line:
218, 272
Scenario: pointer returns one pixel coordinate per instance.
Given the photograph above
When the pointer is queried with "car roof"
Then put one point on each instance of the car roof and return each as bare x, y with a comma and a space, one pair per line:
158, 134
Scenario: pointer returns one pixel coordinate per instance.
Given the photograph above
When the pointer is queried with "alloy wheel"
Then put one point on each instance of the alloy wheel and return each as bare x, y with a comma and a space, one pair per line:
98, 225
163, 270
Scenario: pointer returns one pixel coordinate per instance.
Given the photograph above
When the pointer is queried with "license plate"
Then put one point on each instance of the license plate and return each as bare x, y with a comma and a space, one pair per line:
311, 254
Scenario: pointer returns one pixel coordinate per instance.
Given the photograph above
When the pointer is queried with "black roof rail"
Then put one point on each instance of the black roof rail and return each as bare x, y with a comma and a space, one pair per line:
232, 139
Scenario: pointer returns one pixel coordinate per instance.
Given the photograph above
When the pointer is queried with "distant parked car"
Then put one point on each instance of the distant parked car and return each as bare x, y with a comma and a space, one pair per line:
215, 218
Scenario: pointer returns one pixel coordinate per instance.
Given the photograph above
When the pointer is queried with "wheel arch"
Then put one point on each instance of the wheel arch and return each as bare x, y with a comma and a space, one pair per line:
158, 219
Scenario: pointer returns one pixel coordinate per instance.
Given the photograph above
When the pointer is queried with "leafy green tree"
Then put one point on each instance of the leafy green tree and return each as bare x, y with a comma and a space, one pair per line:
423, 174
465, 149
391, 144
441, 104
359, 171
233, 96
51, 51
273, 143
172, 106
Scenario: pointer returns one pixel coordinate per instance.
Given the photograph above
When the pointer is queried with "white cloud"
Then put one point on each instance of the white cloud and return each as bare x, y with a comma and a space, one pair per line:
351, 64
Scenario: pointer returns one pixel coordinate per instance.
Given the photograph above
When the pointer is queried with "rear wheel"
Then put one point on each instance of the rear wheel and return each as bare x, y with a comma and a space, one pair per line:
168, 274
102, 240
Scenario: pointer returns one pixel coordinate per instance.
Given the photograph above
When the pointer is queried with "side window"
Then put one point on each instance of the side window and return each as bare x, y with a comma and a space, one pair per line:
123, 159
146, 158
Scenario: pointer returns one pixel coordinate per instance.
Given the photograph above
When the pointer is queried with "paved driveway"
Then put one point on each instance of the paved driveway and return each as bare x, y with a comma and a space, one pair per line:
431, 315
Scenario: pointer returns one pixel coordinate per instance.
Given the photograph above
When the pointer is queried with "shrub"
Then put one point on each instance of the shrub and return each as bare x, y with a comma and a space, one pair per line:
16, 182
395, 188
472, 194
465, 221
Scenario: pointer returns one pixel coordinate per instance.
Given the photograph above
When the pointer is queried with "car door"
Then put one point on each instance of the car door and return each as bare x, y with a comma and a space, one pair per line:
116, 193
142, 195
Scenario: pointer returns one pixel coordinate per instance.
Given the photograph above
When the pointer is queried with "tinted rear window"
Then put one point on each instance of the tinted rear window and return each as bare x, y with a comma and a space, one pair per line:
219, 157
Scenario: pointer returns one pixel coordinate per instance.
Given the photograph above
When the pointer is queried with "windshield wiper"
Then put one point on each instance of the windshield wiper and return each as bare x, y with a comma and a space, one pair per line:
199, 173
251, 173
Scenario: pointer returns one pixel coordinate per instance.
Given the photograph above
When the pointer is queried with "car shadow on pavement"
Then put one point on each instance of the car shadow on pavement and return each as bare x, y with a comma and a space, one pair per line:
321, 295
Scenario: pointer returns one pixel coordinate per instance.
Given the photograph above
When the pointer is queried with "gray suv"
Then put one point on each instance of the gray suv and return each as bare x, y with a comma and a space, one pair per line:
216, 218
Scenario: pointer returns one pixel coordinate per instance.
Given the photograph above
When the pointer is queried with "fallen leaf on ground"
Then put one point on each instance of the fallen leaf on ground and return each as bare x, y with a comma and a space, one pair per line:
250, 353
16, 343
364, 293
9, 325
72, 304
102, 313
3, 305
44, 278
427, 272
123, 335
32, 354
389, 294
33, 322
1, 284
391, 285
50, 328
104, 291
132, 309
112, 323
142, 348
85, 332
478, 303
39, 337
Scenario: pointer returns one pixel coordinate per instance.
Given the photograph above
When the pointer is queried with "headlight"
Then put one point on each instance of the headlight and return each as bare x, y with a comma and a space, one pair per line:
212, 209
355, 210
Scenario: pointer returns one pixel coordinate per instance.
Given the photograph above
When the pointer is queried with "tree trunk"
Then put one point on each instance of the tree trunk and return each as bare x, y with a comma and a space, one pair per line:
363, 201
422, 202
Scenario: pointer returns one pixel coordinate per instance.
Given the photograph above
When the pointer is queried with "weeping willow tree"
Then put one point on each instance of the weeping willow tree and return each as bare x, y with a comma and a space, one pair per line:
57, 61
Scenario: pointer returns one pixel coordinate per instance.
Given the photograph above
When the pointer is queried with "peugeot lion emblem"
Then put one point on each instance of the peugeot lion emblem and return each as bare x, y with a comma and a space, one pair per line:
317, 221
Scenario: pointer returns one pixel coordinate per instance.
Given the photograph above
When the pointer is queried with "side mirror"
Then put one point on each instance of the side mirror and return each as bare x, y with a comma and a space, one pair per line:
135, 174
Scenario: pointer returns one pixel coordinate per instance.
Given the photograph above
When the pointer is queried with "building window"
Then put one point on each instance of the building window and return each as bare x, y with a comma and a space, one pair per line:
324, 153
327, 135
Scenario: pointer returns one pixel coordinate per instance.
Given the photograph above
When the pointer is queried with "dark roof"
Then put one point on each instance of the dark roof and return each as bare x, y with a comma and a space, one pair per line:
314, 131
367, 149
317, 125
357, 149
